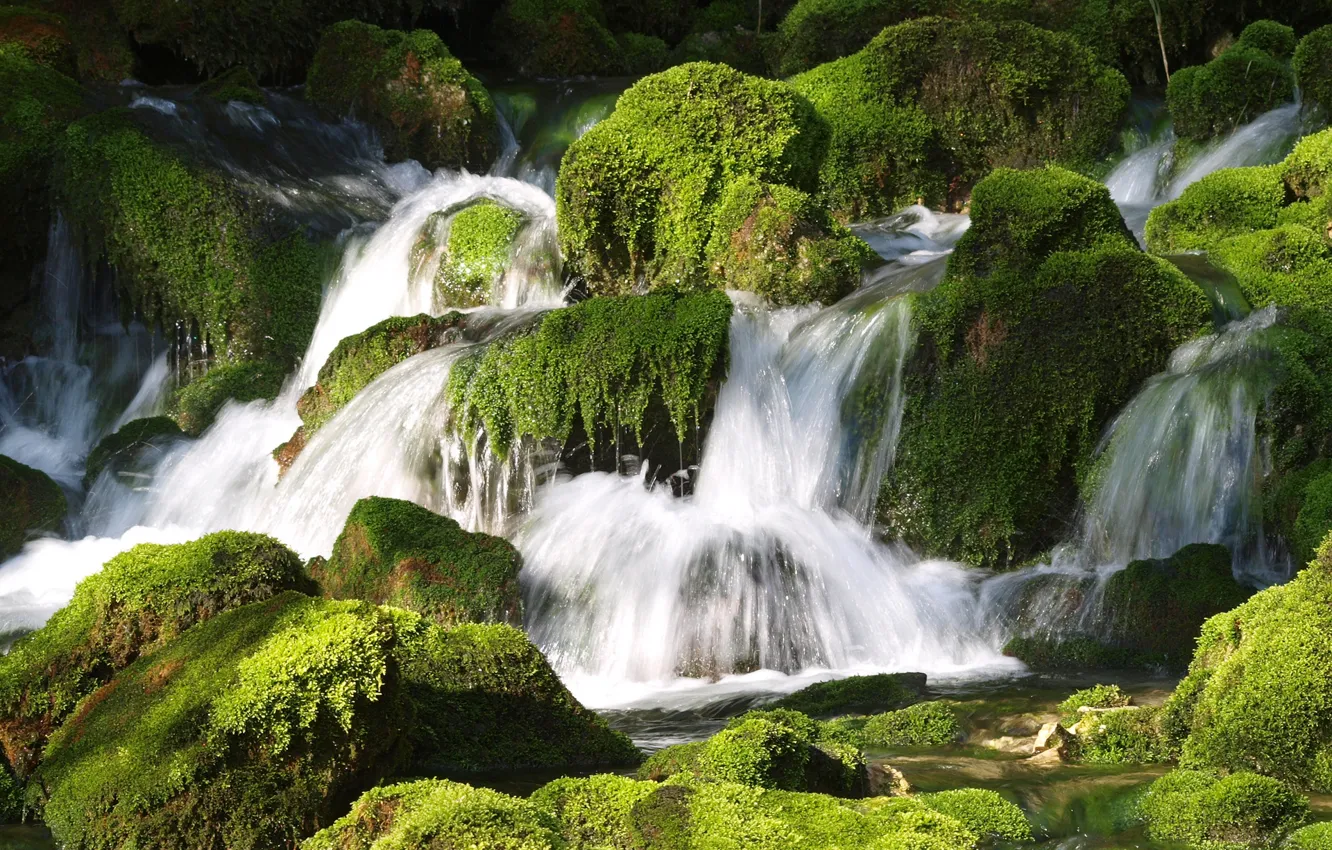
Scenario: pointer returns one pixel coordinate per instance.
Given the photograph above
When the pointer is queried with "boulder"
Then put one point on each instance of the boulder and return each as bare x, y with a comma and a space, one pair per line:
857, 695
130, 446
1240, 810
983, 812
43, 36
925, 724
195, 405
1313, 67
31, 504
469, 250
1234, 88
557, 38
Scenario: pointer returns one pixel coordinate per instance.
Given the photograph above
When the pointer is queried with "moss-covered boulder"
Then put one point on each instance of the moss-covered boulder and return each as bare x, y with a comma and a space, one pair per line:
410, 88
983, 812
141, 599
557, 38
1239, 810
355, 362
932, 105
1047, 322
1273, 37
1258, 695
1234, 88
30, 504
42, 35
233, 84
189, 246
925, 724
1313, 67
196, 405
469, 249
1122, 736
99, 43
857, 695
1316, 836
643, 54
1225, 203
603, 366
128, 446
698, 178
818, 31
398, 553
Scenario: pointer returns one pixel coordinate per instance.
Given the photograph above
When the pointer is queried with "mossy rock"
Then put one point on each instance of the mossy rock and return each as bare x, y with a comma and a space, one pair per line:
1258, 694
1316, 836
740, 48
643, 54
557, 38
189, 246
395, 552
43, 36
1233, 89
983, 812
1236, 811
439, 813
1123, 736
1097, 696
1225, 203
30, 504
470, 248
1272, 37
925, 724
922, 112
234, 84
818, 31
1078, 652
409, 87
196, 405
1047, 322
128, 445
647, 196
141, 599
1313, 67
600, 365
100, 43
665, 20
857, 695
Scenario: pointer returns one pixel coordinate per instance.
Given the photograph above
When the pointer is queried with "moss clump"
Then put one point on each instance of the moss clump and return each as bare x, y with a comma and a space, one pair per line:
435, 812
672, 760
125, 446
1239, 810
11, 796
1098, 696
1225, 203
1316, 836
1313, 67
857, 695
30, 504
234, 84
478, 251
557, 38
1258, 695
188, 246
741, 48
1074, 652
601, 361
925, 724
649, 198
1232, 89
42, 35
1314, 519
196, 405
1047, 322
1272, 37
932, 105
983, 812
396, 552
643, 54
410, 88
1123, 736
818, 31
141, 599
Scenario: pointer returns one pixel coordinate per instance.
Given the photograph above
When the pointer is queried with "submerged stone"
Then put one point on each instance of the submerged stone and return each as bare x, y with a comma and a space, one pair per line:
31, 504
470, 249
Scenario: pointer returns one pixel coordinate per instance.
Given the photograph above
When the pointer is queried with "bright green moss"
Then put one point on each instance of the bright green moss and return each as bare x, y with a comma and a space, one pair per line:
817, 31
1098, 696
1316, 836
1272, 37
140, 600
438, 813
1233, 89
757, 752
643, 54
638, 196
1314, 520
667, 762
1288, 265
1308, 169
479, 248
1238, 811
983, 812
594, 809
1127, 736
557, 38
925, 724
233, 84
1313, 67
601, 360
42, 35
11, 796
197, 404
857, 695
30, 504
395, 552
126, 445
421, 99
1222, 204
1074, 652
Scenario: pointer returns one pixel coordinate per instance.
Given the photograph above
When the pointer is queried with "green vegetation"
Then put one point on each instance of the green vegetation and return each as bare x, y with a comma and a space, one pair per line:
925, 724
409, 87
983, 812
124, 447
1246, 80
142, 599
30, 504
398, 553
1316, 836
557, 38
1123, 736
932, 105
234, 84
41, 35
11, 796
1097, 696
602, 360
1047, 322
1073, 653
818, 31
196, 405
1272, 37
672, 760
1237, 811
1313, 67
643, 54
857, 695
1225, 203
479, 247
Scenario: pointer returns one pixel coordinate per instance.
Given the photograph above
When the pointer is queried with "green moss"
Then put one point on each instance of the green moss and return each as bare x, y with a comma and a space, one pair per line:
603, 361
857, 694
1316, 836
141, 599
1288, 265
667, 762
1074, 652
925, 724
234, 84
757, 752
42, 35
1273, 37
197, 404
817, 31
638, 196
983, 812
1313, 67
1098, 696
127, 444
1023, 358
1239, 810
1222, 204
396, 552
1308, 169
643, 54
557, 38
479, 249
30, 504
423, 102
11, 797
1232, 89
741, 48
1127, 736
1314, 520
438, 813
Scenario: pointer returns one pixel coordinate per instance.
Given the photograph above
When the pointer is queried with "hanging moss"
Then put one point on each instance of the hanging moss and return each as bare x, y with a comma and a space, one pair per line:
408, 86
1313, 67
1240, 810
557, 38
601, 361
30, 504
197, 404
126, 445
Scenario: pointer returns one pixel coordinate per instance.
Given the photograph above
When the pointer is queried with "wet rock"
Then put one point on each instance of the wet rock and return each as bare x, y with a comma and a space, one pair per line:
31, 504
